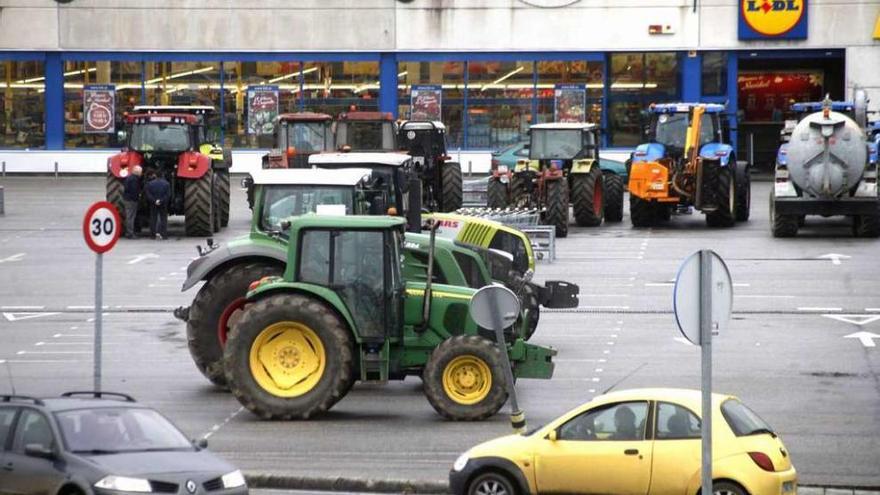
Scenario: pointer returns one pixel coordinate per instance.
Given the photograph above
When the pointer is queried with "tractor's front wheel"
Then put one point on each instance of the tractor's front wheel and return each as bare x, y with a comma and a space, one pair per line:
557, 205
114, 193
451, 189
519, 191
641, 212
198, 205
290, 357
464, 379
613, 197
496, 193
216, 308
744, 197
724, 214
588, 197
867, 225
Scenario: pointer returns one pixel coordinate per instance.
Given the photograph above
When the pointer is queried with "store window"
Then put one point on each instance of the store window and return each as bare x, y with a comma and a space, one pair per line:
185, 83
97, 95
500, 96
449, 78
573, 74
337, 87
637, 80
714, 74
23, 103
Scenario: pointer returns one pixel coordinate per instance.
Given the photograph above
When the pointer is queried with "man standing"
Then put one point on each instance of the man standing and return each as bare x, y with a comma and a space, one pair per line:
158, 193
131, 196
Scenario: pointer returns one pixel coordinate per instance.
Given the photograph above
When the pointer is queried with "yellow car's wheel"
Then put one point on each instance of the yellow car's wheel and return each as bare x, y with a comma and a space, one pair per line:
464, 379
289, 356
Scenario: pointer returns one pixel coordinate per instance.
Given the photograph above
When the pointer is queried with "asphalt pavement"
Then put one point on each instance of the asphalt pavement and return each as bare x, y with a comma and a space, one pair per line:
798, 349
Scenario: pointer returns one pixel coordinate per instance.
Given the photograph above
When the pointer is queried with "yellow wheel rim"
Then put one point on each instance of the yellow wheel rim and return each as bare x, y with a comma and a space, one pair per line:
467, 380
287, 359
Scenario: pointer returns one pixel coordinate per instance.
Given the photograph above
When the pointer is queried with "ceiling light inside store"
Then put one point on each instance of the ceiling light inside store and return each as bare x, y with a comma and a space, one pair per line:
293, 74
504, 77
402, 74
179, 74
66, 74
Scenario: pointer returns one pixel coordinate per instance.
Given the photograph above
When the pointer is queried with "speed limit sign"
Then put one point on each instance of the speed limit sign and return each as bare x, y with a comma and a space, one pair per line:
101, 226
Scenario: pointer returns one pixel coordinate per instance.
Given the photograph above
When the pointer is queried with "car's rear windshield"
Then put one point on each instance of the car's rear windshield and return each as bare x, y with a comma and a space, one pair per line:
742, 420
119, 429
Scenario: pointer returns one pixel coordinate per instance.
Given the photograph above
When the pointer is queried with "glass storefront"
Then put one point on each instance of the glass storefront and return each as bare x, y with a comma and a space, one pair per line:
125, 78
637, 80
449, 76
23, 103
500, 96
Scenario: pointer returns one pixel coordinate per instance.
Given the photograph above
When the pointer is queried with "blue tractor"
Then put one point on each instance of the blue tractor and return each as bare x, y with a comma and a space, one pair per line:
687, 163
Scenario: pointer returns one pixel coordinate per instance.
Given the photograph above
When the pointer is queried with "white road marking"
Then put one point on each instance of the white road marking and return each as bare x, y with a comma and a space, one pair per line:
216, 428
578, 360
602, 307
834, 257
22, 353
854, 319
14, 257
141, 257
821, 310
25, 316
866, 338
873, 310
603, 295
764, 296
21, 307
87, 307
599, 370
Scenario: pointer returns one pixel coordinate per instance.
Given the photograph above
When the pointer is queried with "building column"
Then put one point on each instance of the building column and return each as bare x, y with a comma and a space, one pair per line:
732, 97
54, 106
692, 78
388, 83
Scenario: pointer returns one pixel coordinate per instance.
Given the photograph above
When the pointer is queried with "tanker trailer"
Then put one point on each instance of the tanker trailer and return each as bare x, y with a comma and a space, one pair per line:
827, 168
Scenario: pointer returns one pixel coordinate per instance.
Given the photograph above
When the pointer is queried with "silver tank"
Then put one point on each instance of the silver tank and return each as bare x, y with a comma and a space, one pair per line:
827, 156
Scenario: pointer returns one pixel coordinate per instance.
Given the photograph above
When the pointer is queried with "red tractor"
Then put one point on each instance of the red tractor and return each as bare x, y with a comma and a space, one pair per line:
298, 135
366, 131
168, 144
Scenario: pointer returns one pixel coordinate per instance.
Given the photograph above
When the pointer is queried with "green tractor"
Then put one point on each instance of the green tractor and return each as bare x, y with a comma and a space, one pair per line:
344, 312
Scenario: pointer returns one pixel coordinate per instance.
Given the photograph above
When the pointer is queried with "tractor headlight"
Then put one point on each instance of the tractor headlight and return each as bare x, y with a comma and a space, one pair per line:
123, 484
233, 480
461, 462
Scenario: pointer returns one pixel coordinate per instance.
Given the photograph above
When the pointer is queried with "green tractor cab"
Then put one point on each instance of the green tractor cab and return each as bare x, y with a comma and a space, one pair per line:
343, 312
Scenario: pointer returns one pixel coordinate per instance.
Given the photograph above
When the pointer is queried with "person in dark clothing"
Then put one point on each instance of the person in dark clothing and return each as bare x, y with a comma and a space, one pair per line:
158, 192
131, 196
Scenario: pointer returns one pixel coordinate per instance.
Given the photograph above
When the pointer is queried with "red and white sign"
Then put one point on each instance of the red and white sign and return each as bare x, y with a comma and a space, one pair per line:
101, 227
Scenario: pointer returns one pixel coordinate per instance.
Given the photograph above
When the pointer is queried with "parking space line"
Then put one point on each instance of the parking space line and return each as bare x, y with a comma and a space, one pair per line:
216, 427
822, 310
21, 307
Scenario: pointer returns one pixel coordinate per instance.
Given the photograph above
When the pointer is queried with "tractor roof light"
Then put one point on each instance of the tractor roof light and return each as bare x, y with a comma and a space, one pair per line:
291, 151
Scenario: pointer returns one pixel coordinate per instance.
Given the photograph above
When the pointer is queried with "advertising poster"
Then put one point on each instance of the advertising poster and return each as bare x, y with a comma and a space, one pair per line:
767, 96
570, 103
99, 109
426, 102
262, 108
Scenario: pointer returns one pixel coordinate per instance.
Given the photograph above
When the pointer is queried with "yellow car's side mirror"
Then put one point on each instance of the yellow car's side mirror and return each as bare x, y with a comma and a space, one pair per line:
552, 436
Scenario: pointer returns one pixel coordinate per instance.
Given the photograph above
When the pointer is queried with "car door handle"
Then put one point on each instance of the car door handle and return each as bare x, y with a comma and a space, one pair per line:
631, 451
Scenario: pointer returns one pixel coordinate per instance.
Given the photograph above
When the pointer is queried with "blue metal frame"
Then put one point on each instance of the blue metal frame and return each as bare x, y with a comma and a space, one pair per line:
54, 105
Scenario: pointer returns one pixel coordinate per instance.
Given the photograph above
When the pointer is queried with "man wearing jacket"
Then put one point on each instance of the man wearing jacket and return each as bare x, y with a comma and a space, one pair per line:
158, 192
131, 196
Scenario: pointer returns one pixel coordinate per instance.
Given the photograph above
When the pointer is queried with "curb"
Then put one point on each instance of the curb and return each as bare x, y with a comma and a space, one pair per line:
342, 484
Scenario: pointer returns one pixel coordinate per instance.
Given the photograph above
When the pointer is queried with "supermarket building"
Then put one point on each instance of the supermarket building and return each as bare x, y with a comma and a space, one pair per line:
490, 67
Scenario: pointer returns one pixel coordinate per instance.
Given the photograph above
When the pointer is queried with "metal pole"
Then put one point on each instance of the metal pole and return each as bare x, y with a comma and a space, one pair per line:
56, 170
4, 169
706, 357
99, 310
517, 417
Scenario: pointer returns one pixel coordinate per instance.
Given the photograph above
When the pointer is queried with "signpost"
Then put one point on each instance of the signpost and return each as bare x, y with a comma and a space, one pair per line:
101, 228
702, 302
496, 307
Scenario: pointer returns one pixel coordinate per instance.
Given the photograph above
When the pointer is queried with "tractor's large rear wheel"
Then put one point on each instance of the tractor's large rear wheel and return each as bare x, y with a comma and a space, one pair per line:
218, 305
114, 193
782, 225
613, 197
642, 213
290, 357
556, 213
588, 197
496, 193
744, 197
464, 379
867, 225
724, 213
451, 186
223, 193
198, 205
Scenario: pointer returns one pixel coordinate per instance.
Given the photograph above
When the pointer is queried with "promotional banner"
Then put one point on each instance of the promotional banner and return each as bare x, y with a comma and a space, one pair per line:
767, 96
773, 19
262, 108
570, 103
426, 102
99, 108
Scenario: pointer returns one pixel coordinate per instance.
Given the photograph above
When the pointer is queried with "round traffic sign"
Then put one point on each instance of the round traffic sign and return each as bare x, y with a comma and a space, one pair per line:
686, 295
493, 304
101, 226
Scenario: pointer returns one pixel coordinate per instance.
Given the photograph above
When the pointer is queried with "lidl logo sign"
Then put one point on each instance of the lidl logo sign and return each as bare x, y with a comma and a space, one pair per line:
772, 19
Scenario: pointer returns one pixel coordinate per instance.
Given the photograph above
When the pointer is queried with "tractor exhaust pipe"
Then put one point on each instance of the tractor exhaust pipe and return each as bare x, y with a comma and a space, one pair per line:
426, 305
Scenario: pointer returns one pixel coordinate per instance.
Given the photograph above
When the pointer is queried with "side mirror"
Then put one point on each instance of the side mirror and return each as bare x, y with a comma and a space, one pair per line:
201, 443
38, 450
552, 436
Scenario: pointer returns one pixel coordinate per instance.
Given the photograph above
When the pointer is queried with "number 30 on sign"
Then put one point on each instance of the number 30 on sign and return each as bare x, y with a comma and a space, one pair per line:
101, 226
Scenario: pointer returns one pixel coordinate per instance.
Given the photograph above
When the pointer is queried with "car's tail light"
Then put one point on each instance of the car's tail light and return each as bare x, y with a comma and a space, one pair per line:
762, 460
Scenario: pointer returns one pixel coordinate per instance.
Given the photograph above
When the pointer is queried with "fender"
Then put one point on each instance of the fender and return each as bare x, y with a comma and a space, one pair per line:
192, 165
582, 166
120, 163
717, 151
201, 267
723, 469
215, 153
321, 293
458, 481
648, 152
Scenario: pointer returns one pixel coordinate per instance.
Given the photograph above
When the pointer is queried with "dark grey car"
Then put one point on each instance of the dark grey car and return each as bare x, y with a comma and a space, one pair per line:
85, 443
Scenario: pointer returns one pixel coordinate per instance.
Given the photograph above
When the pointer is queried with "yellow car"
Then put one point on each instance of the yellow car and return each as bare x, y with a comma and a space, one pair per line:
644, 441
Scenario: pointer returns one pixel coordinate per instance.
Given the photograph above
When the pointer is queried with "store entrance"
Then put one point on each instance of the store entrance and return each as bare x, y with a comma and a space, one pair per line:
766, 89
